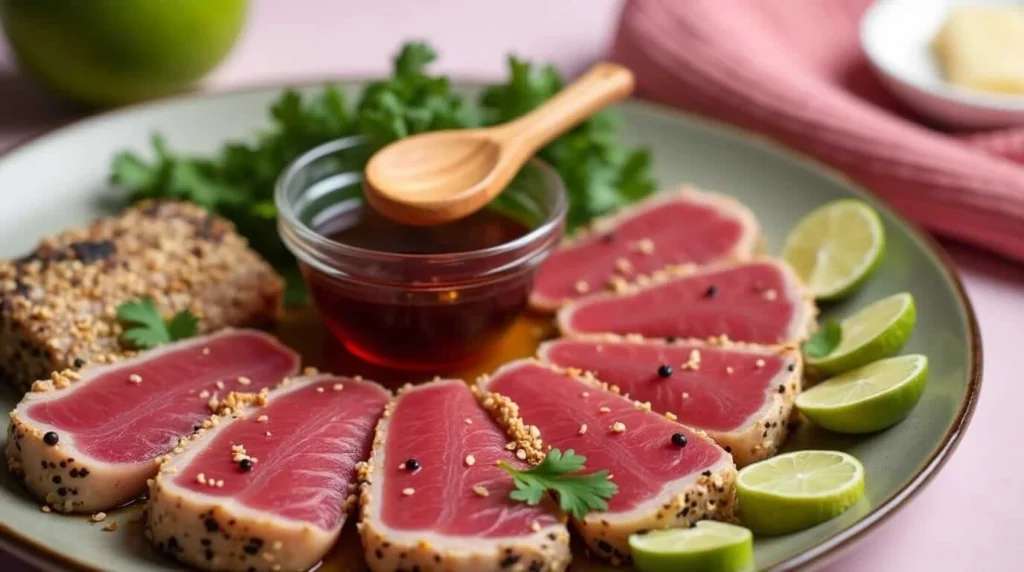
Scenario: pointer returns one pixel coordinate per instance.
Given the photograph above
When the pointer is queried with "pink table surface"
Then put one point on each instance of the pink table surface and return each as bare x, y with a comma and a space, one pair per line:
971, 515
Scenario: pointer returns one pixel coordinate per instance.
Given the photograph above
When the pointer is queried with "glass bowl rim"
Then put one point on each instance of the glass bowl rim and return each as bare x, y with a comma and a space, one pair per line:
287, 215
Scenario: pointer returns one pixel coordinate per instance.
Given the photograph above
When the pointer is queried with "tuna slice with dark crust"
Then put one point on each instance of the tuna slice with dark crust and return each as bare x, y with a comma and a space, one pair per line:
668, 229
761, 301
267, 486
668, 475
434, 498
741, 395
88, 440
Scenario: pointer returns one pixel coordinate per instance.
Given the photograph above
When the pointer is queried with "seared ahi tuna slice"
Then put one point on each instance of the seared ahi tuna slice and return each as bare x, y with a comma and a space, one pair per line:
761, 301
435, 499
268, 486
88, 440
741, 395
668, 475
668, 229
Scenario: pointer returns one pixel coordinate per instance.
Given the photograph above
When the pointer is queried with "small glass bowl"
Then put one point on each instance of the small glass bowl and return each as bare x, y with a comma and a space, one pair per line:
412, 311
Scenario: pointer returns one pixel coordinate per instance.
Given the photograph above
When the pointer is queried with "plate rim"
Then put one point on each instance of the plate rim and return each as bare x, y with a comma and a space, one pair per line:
816, 557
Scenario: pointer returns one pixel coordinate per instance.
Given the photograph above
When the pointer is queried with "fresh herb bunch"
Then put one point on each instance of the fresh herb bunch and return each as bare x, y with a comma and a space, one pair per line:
577, 493
238, 181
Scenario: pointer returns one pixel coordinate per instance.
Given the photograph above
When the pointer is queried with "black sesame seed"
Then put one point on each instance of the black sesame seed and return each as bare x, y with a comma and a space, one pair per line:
209, 554
791, 367
706, 473
246, 465
205, 542
728, 449
74, 473
412, 465
679, 440
51, 438
711, 292
664, 370
608, 237
782, 389
78, 363
62, 492
671, 339
211, 525
56, 479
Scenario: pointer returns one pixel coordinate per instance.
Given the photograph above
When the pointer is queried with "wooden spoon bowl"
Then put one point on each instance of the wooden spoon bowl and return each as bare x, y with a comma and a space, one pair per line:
438, 177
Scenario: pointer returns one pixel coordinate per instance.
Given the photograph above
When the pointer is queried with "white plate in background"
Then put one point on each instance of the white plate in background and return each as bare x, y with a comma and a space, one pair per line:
896, 37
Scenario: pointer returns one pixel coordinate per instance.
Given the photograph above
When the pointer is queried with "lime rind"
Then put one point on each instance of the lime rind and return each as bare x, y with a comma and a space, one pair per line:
709, 546
836, 248
795, 491
876, 332
867, 399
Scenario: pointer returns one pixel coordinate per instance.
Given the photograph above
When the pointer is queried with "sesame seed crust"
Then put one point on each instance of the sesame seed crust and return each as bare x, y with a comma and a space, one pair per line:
58, 304
544, 550
709, 494
216, 533
749, 244
759, 438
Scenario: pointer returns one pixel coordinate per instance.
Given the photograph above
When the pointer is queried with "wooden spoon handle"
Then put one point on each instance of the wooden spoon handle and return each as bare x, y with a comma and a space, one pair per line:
603, 84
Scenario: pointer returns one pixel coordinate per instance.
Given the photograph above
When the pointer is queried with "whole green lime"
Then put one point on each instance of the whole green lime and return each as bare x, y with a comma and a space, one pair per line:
111, 52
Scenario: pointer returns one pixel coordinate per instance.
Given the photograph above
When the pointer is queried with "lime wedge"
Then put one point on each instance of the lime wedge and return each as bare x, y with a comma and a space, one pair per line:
835, 247
869, 398
709, 546
798, 490
878, 331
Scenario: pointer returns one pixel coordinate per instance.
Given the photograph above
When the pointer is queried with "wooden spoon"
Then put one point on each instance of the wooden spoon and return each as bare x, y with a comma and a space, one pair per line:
438, 177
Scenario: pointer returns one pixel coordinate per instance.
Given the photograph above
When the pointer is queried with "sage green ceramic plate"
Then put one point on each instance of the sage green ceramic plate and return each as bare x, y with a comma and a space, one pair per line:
59, 180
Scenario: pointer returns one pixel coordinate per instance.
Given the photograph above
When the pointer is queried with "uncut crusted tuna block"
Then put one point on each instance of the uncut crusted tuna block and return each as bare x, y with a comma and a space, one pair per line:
58, 304
741, 395
450, 511
267, 487
668, 475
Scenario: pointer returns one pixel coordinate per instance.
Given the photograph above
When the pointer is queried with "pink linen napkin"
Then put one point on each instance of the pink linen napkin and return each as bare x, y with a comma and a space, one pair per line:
794, 71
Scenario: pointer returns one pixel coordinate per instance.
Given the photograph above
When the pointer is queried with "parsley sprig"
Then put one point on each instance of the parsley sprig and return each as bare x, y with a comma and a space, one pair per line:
237, 181
577, 493
822, 342
145, 328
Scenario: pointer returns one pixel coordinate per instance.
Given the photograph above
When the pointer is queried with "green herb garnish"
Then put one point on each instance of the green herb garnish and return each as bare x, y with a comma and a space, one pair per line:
577, 493
238, 180
822, 342
148, 328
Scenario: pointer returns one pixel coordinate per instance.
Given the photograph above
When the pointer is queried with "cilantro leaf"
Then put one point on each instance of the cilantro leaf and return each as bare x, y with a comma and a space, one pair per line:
577, 493
148, 328
822, 342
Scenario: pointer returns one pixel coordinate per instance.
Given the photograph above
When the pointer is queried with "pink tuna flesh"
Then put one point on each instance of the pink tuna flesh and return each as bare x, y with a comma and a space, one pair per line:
721, 394
112, 419
642, 459
680, 230
306, 462
750, 302
428, 424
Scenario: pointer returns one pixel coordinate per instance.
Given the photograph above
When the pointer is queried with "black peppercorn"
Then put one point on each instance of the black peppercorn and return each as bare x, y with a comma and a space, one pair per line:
51, 438
664, 370
679, 440
246, 465
711, 292
412, 464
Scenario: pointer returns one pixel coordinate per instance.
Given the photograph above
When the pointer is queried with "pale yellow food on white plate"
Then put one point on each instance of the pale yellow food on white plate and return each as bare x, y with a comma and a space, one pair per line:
982, 48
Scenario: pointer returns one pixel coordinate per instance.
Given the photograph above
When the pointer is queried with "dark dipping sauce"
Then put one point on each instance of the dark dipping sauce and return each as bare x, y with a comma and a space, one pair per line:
431, 325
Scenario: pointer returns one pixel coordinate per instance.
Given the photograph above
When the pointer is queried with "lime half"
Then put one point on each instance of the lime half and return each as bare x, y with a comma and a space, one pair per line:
835, 248
869, 398
709, 546
798, 490
873, 333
